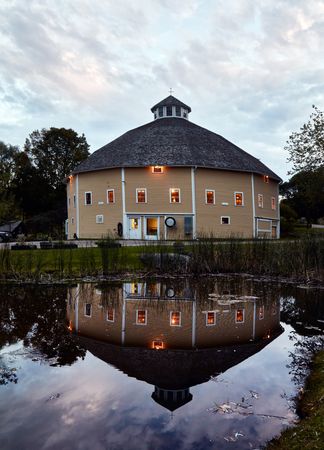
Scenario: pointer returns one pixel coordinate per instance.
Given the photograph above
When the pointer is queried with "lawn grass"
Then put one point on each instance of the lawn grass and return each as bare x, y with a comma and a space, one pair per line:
309, 432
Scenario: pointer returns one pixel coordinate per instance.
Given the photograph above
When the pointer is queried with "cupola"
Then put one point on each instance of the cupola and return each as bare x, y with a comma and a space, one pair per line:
170, 107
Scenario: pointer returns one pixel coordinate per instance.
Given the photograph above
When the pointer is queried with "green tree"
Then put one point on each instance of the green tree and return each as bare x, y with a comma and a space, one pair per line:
55, 152
8, 206
304, 193
306, 147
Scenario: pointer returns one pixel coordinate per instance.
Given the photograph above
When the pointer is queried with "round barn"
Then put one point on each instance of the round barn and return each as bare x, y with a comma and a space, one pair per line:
172, 179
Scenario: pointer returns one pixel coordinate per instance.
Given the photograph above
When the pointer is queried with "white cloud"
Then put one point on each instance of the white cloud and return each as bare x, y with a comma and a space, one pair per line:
250, 70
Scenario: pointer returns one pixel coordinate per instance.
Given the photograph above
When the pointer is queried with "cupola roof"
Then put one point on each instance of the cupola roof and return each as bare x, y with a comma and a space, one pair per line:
171, 101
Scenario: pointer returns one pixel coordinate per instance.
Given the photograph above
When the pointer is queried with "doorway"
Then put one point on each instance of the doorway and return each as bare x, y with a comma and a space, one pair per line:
134, 228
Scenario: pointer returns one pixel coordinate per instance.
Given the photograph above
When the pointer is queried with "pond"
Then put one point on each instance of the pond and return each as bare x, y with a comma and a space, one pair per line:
153, 364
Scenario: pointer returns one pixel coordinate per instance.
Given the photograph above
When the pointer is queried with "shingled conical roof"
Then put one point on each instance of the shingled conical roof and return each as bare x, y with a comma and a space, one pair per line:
173, 141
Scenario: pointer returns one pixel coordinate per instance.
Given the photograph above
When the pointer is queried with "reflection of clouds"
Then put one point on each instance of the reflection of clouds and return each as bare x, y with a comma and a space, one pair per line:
100, 407
259, 66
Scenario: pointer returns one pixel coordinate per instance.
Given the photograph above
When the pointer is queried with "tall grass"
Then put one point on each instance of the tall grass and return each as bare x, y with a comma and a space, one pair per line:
302, 259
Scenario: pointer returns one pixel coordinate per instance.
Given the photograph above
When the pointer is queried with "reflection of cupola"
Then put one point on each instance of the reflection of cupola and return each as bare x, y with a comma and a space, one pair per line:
170, 107
171, 399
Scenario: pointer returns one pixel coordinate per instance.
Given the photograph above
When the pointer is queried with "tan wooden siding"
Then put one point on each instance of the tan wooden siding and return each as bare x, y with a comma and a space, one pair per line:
157, 186
268, 190
98, 183
225, 184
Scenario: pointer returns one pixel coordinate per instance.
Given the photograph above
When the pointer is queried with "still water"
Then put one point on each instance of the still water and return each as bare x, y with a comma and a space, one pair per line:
168, 364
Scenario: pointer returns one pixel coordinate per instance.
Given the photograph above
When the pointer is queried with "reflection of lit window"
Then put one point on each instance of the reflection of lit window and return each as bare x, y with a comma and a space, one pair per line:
273, 203
134, 288
141, 317
141, 195
274, 309
153, 289
158, 345
266, 178
110, 196
239, 315
210, 197
260, 200
175, 318
261, 312
87, 309
238, 198
111, 315
157, 169
174, 195
211, 318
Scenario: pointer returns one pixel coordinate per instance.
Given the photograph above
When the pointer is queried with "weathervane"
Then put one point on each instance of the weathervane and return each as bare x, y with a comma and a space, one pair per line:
171, 91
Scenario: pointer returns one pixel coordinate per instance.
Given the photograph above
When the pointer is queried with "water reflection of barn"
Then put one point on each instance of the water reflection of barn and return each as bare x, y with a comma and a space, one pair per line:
125, 325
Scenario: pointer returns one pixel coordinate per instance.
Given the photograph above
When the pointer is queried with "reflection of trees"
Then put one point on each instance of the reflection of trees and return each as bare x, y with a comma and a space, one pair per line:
303, 309
37, 316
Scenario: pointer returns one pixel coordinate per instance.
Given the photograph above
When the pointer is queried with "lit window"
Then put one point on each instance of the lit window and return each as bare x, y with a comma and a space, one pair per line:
87, 309
178, 111
238, 198
266, 178
88, 198
175, 318
134, 223
239, 315
141, 317
260, 200
211, 318
225, 220
111, 315
261, 312
169, 110
110, 196
141, 195
160, 111
273, 203
174, 195
157, 169
210, 197
99, 218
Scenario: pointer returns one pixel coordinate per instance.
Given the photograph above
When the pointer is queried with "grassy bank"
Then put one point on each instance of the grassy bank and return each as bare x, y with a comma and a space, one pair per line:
309, 432
301, 259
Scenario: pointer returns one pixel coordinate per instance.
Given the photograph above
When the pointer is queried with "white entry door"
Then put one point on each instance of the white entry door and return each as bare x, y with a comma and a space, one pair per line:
134, 228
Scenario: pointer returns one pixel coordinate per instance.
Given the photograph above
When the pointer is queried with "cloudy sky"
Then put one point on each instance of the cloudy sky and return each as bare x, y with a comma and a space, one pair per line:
249, 69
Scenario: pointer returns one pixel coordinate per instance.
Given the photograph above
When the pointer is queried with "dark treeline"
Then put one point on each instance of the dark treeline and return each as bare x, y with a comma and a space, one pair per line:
32, 185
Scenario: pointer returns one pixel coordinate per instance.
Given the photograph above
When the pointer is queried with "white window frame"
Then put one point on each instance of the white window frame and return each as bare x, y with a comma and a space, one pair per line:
225, 217
260, 200
238, 321
210, 324
180, 319
210, 190
107, 196
273, 203
85, 310
85, 198
140, 323
170, 198
99, 221
113, 319
238, 192
141, 189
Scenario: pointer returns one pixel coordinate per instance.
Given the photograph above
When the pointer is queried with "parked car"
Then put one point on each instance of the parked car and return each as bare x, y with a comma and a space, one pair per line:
4, 236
